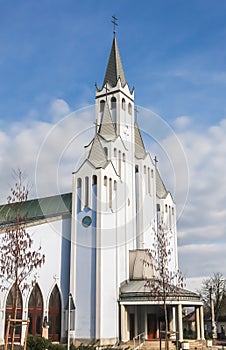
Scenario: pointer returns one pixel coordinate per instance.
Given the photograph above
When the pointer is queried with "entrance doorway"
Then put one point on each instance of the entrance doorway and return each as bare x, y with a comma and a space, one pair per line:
151, 326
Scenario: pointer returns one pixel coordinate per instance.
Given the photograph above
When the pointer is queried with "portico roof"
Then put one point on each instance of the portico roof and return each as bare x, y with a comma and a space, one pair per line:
136, 291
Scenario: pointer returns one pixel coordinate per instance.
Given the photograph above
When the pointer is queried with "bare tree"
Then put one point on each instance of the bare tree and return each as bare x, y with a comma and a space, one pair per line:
166, 282
17, 258
213, 288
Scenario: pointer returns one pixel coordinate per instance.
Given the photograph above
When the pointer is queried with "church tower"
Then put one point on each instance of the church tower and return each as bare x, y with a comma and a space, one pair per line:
115, 196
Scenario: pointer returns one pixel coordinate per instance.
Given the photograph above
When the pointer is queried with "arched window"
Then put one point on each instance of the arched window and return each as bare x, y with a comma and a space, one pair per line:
106, 151
79, 193
113, 103
55, 315
129, 108
102, 103
119, 163
10, 307
94, 179
86, 191
35, 311
105, 180
115, 152
113, 109
110, 193
123, 104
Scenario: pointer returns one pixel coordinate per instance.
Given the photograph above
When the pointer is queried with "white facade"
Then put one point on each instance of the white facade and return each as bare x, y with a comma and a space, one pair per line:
117, 195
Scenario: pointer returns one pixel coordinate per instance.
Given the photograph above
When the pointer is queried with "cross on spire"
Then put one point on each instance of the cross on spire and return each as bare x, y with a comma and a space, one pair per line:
115, 24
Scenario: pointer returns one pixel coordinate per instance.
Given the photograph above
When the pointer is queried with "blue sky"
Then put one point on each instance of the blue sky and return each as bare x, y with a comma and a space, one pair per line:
173, 53
52, 53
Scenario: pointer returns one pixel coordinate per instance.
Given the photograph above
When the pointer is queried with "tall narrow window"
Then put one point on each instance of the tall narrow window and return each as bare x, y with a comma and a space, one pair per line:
106, 151
110, 193
94, 179
119, 163
123, 104
130, 108
86, 191
102, 103
149, 181
35, 311
105, 180
113, 109
79, 193
55, 315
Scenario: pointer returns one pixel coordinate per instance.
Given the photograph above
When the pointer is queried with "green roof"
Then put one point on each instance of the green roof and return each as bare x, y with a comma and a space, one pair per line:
36, 209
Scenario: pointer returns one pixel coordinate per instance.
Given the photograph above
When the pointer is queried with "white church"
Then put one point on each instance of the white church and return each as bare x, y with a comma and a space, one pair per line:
101, 233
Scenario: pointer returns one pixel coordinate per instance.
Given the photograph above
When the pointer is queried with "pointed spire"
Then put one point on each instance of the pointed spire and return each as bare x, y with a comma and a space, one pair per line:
97, 155
114, 67
140, 151
107, 130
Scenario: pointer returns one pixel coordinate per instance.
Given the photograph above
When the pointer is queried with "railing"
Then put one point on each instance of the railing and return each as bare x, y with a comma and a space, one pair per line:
141, 338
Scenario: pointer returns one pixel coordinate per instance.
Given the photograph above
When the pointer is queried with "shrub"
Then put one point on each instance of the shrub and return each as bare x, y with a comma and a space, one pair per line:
37, 343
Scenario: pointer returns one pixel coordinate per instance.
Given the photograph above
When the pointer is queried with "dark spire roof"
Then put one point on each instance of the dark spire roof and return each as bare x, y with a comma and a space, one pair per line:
114, 67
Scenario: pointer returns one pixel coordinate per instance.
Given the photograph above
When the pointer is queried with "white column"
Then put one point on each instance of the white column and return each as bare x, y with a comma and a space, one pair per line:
197, 323
173, 322
202, 323
180, 322
124, 324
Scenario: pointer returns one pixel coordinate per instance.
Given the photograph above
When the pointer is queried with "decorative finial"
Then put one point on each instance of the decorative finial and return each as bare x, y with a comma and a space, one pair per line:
115, 24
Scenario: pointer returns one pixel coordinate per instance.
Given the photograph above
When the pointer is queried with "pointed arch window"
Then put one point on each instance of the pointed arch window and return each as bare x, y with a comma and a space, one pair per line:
35, 311
130, 108
123, 104
10, 308
113, 103
113, 109
55, 314
102, 103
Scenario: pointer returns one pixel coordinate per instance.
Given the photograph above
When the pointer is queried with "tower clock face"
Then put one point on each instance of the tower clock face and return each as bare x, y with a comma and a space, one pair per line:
86, 221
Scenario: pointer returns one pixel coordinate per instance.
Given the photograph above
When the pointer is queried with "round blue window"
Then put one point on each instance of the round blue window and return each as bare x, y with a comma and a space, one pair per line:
86, 221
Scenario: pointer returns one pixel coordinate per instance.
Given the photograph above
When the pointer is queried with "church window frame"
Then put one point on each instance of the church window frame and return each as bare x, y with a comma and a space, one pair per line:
113, 102
86, 191
106, 151
102, 104
130, 108
54, 313
105, 180
35, 310
123, 104
110, 193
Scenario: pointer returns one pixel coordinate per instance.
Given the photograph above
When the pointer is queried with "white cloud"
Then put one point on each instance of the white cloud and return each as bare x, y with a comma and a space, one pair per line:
59, 109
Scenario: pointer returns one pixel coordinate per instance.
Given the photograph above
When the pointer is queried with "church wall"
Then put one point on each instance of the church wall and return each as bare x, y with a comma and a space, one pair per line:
53, 236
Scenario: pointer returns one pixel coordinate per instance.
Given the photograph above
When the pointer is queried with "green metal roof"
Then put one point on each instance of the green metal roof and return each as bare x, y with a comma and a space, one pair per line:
36, 209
